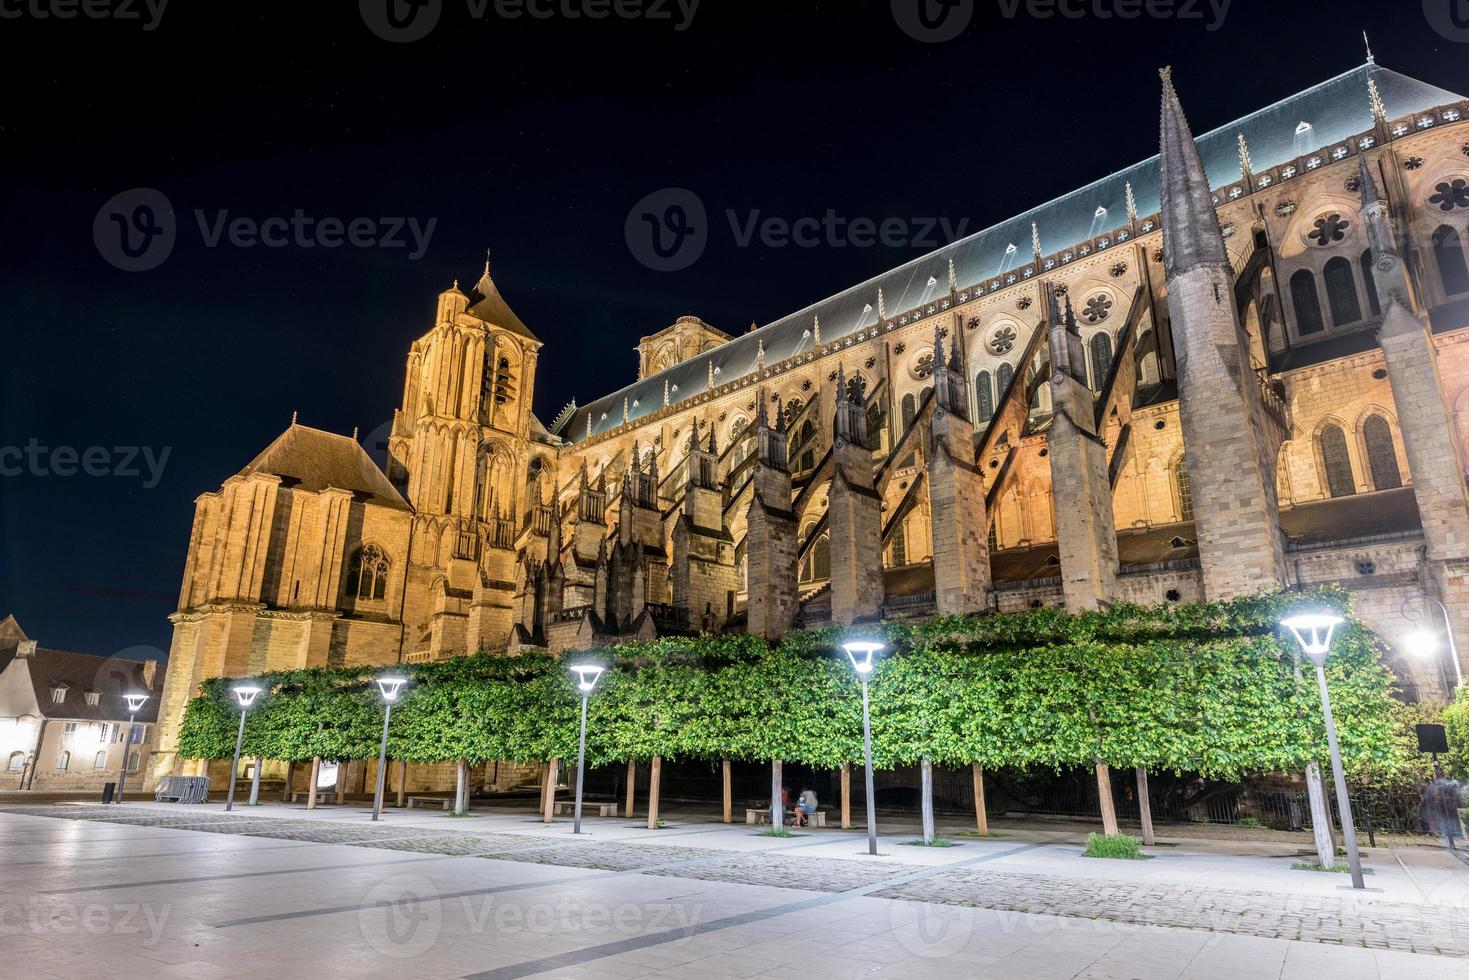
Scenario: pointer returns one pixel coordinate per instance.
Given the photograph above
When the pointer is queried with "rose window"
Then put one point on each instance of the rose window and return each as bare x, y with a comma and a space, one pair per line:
923, 367
1332, 228
1098, 308
1451, 195
1003, 341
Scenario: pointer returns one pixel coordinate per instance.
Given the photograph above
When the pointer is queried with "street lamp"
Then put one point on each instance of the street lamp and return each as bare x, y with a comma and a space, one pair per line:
390, 688
860, 653
1422, 642
135, 703
245, 694
1313, 632
587, 676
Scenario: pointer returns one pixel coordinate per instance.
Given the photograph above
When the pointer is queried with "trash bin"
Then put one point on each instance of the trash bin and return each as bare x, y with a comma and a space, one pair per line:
107, 790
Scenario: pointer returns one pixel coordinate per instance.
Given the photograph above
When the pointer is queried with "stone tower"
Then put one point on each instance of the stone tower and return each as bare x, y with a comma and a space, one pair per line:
1085, 529
855, 513
961, 561
1231, 463
770, 532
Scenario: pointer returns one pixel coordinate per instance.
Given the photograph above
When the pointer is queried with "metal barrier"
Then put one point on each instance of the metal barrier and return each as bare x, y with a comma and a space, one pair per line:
182, 789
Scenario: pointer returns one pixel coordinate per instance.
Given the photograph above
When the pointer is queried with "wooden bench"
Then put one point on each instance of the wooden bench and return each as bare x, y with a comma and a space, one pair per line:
762, 817
322, 796
563, 807
442, 802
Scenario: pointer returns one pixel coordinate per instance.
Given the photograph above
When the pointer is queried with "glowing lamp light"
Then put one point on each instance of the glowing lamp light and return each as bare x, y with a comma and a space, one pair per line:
860, 652
245, 694
391, 687
135, 702
1421, 643
587, 676
1313, 632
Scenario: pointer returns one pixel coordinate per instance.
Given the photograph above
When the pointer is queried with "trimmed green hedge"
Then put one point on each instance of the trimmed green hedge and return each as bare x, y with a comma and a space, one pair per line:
1212, 688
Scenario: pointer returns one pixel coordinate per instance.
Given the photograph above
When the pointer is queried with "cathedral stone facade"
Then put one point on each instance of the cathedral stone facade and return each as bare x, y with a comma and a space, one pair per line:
1238, 365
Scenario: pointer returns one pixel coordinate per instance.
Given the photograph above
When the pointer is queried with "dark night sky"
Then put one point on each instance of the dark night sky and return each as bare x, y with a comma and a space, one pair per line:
534, 138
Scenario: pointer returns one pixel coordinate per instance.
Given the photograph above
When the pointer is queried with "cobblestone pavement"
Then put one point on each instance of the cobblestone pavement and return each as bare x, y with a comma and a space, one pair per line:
1311, 918
1347, 920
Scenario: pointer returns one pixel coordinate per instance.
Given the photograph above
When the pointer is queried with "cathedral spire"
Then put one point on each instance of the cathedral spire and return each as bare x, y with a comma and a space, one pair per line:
1370, 194
882, 306
1191, 234
953, 276
1368, 42
1131, 203
1035, 240
1246, 165
816, 337
1379, 108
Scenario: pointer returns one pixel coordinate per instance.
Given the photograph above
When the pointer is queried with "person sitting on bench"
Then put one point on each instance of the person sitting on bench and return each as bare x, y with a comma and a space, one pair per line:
805, 806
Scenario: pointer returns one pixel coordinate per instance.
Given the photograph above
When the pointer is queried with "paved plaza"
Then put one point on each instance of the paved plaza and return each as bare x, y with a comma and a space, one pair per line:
148, 890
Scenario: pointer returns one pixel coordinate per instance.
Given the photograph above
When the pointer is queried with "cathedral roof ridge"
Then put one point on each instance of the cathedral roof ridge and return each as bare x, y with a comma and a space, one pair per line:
489, 305
316, 460
1336, 108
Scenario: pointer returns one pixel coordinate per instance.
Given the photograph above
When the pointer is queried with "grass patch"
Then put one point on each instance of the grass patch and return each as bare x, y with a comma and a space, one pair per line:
1250, 822
781, 831
1340, 869
976, 834
1117, 847
936, 842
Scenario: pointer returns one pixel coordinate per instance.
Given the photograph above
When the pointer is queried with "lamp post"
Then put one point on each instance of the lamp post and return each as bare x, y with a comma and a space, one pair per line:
1313, 632
587, 676
390, 688
245, 694
1421, 643
135, 702
860, 653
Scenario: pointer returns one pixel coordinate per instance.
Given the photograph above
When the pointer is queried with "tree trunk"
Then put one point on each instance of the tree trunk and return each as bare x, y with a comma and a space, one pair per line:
461, 786
254, 782
402, 784
1321, 829
632, 784
551, 769
290, 782
981, 815
1104, 796
846, 796
654, 778
728, 794
311, 790
1144, 805
777, 810
925, 768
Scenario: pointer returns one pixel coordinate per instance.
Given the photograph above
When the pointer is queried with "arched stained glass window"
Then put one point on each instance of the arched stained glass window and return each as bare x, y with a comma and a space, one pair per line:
1307, 303
1341, 292
984, 393
1101, 348
368, 577
1002, 378
1448, 249
821, 557
1370, 281
900, 545
910, 411
1185, 490
1335, 462
1382, 457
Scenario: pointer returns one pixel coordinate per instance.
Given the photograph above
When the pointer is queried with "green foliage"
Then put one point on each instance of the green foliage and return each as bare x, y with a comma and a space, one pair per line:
1313, 866
1117, 847
1213, 688
781, 831
936, 842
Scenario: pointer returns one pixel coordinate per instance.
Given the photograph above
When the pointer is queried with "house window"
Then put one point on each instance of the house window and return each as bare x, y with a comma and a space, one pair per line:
1448, 249
92, 698
1335, 462
17, 762
1185, 490
99, 761
1382, 457
62, 761
1371, 282
368, 578
1101, 360
58, 695
140, 734
1341, 292
1307, 303
984, 391
68, 732
134, 761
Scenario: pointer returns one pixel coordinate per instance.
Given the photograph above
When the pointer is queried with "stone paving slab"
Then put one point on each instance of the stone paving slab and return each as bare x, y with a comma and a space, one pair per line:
1350, 921
608, 855
497, 845
789, 871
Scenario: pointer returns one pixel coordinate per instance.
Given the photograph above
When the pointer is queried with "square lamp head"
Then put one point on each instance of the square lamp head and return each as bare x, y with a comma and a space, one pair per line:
860, 652
391, 687
587, 676
245, 694
1313, 632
